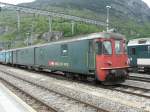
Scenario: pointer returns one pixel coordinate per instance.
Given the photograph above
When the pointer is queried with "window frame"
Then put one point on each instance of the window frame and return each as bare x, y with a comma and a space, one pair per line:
103, 47
121, 49
64, 47
133, 49
97, 47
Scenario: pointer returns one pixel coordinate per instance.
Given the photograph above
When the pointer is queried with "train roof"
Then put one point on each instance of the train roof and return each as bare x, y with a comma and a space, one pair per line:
140, 41
83, 37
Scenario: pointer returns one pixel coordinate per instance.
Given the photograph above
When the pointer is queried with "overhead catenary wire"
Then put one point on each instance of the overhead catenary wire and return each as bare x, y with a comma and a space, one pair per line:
50, 13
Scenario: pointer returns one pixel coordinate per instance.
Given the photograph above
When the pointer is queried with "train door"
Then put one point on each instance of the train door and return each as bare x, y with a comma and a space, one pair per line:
91, 55
14, 57
133, 56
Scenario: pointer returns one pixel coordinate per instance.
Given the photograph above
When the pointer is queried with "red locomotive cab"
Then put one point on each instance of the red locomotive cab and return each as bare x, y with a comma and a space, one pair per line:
111, 60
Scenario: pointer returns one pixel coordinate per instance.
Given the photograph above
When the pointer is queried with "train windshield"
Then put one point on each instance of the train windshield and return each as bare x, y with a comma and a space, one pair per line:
107, 47
118, 47
104, 47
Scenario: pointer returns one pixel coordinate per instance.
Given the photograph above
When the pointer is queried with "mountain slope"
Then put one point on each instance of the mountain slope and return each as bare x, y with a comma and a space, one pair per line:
127, 9
129, 17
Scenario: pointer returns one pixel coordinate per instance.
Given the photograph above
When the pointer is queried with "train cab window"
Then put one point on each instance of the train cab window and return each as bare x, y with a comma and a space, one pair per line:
98, 48
118, 49
107, 47
64, 50
133, 51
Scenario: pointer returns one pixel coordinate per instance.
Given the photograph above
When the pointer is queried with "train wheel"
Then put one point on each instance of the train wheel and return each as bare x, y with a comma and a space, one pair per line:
29, 67
69, 76
82, 77
38, 69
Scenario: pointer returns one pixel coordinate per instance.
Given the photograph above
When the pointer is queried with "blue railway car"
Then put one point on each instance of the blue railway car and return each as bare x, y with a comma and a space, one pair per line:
8, 57
2, 56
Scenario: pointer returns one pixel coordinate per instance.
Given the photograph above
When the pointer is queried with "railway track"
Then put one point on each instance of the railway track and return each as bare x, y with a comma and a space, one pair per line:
55, 101
140, 77
127, 88
75, 97
141, 92
138, 84
138, 91
38, 106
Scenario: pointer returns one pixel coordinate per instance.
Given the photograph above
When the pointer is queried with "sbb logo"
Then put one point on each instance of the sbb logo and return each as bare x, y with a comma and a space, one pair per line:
51, 63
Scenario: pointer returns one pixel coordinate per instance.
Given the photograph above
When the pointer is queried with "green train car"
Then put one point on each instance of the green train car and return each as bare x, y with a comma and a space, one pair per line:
139, 54
95, 56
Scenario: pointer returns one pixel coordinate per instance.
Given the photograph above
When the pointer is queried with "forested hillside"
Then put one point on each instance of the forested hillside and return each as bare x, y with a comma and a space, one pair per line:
129, 17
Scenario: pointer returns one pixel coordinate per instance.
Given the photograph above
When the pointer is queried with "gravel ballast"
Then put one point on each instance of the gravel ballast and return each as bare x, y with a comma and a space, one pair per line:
106, 99
57, 102
38, 106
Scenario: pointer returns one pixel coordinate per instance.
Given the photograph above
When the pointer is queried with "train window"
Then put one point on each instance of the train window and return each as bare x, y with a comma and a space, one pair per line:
98, 47
107, 47
145, 48
118, 47
133, 51
64, 50
148, 49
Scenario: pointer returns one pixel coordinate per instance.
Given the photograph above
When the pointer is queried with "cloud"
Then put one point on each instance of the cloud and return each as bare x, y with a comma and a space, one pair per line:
147, 2
15, 1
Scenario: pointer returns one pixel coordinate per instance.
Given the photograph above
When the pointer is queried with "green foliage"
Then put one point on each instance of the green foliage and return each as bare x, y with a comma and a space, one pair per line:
31, 24
40, 25
7, 37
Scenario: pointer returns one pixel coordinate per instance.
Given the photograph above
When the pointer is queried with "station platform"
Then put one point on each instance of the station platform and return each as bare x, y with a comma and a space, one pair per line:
9, 102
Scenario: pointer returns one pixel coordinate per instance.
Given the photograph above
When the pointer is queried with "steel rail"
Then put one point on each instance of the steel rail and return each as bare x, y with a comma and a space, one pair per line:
11, 74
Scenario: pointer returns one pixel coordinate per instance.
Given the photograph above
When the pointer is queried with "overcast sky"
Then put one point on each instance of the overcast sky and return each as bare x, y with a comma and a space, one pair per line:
15, 1
21, 1
147, 1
